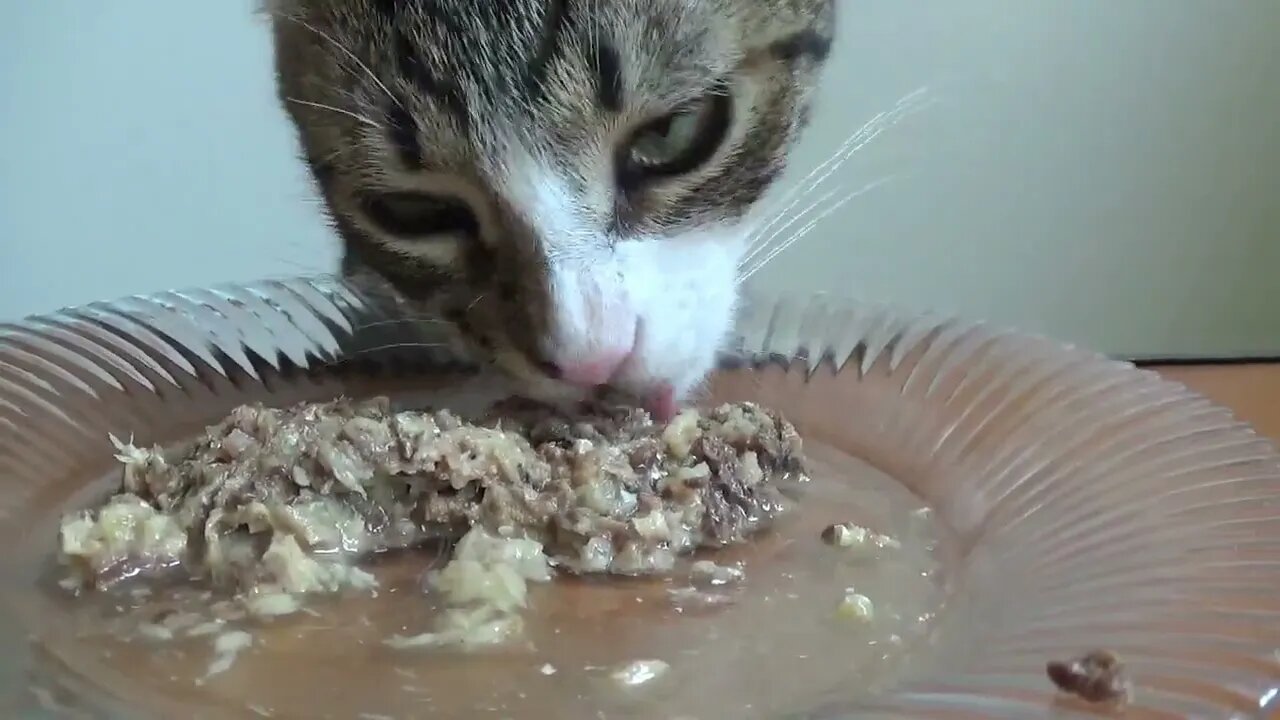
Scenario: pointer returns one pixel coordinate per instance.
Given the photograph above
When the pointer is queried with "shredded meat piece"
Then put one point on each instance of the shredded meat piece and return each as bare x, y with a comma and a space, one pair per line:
284, 499
1096, 677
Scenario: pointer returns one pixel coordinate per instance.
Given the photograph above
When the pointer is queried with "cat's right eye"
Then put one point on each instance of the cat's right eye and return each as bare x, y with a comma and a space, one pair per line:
678, 142
411, 215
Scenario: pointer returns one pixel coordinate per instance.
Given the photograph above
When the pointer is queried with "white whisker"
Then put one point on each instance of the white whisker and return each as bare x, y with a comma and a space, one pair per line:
474, 302
403, 321
355, 116
816, 176
346, 52
856, 141
764, 244
828, 168
810, 225
768, 246
400, 346
758, 246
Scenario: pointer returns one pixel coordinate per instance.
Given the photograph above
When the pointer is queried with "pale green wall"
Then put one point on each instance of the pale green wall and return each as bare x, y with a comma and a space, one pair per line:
141, 148
1107, 171
1101, 170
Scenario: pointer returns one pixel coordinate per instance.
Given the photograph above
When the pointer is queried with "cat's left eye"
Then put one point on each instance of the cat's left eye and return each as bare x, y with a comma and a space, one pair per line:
411, 215
677, 143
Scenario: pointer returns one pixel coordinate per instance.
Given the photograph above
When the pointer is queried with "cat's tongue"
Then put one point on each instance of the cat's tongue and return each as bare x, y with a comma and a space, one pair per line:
661, 403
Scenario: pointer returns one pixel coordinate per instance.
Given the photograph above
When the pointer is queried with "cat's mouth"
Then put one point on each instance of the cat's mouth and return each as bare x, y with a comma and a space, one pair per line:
599, 371
661, 403
659, 399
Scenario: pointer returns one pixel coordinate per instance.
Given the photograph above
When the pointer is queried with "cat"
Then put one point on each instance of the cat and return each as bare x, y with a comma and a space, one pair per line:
566, 182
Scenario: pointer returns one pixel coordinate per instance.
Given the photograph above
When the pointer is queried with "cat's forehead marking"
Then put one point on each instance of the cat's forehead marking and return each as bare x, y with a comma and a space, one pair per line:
485, 61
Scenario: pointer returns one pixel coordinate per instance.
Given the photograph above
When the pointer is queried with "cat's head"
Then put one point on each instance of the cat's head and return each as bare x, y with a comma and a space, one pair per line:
567, 181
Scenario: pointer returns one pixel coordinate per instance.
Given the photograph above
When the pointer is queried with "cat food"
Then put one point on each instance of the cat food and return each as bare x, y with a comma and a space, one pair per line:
285, 500
1096, 677
471, 627
849, 535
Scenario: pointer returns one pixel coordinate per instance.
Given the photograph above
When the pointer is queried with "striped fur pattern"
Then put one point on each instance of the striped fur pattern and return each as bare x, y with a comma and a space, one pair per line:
482, 156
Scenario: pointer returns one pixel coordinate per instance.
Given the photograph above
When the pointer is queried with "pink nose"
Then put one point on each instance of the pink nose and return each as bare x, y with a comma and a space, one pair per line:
592, 371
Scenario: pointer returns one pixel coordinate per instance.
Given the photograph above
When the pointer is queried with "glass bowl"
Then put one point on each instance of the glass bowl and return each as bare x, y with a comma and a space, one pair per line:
1090, 504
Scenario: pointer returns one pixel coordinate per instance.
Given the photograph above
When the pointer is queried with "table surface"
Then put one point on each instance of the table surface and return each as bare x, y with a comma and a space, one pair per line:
1251, 391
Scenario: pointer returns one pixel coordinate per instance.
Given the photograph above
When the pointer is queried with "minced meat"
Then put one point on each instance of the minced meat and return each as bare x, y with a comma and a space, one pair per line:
1097, 677
284, 499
